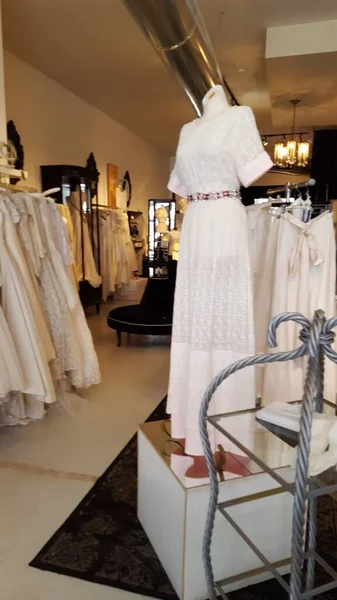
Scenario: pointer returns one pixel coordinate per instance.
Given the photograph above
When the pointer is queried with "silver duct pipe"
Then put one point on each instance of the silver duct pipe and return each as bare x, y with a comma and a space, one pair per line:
176, 31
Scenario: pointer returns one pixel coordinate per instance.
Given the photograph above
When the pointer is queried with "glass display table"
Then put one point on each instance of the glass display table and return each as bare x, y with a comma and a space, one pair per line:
267, 447
172, 509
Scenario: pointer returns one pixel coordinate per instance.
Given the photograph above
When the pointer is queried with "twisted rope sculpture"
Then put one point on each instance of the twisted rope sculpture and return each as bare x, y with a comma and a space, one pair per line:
317, 338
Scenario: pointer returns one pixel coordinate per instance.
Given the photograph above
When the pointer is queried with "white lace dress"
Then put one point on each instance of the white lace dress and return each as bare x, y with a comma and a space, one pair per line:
213, 323
87, 371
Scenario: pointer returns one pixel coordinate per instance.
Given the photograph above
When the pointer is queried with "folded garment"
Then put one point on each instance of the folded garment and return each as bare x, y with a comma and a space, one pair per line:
281, 414
323, 445
322, 462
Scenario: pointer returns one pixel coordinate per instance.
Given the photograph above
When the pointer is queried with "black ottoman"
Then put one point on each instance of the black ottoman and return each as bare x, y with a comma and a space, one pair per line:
153, 316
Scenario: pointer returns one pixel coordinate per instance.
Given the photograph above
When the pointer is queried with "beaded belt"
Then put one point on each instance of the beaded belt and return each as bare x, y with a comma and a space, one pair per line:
214, 195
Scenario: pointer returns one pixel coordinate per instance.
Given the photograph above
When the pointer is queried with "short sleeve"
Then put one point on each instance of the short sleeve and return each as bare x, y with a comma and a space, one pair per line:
252, 161
175, 184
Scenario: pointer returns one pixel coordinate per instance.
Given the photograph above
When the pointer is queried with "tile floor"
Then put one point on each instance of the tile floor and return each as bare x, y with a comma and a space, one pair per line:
46, 468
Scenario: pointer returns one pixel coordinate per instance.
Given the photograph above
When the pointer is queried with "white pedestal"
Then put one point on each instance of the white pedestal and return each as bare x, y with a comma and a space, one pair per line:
173, 516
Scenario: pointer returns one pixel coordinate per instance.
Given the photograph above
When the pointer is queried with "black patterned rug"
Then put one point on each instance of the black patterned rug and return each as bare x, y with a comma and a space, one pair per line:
103, 542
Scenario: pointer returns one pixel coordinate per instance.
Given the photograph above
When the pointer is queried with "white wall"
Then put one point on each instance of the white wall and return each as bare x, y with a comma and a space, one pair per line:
58, 127
3, 132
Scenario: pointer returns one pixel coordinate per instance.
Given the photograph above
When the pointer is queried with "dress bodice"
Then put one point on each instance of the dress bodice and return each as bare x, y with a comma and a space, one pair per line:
219, 155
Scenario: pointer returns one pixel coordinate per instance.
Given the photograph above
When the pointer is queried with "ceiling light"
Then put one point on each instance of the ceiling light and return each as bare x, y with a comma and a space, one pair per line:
303, 153
280, 154
292, 153
241, 70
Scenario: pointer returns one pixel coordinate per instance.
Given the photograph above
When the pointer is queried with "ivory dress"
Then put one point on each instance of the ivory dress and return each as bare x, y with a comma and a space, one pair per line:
213, 322
85, 265
11, 376
304, 280
26, 321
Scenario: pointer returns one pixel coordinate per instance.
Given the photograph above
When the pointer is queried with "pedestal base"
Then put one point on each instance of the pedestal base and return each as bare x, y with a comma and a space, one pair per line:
173, 513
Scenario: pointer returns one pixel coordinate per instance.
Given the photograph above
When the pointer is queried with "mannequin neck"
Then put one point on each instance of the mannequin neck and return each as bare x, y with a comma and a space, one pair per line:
214, 103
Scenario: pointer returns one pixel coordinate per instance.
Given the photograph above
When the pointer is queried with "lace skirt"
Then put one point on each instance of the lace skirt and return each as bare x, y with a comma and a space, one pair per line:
213, 317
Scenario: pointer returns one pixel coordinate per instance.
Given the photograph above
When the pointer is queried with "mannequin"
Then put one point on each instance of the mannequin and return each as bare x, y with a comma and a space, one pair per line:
213, 322
214, 104
162, 216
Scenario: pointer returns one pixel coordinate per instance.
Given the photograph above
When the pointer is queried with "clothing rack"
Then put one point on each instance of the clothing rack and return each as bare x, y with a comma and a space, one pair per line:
105, 207
291, 186
18, 188
317, 338
45, 342
66, 178
10, 172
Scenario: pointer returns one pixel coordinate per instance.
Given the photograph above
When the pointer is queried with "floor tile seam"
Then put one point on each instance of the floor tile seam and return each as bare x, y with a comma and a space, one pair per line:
36, 470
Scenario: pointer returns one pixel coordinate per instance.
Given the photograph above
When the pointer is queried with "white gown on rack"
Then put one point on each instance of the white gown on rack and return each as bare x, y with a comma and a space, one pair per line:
11, 376
130, 249
104, 248
81, 347
213, 322
26, 321
264, 279
121, 199
304, 280
85, 266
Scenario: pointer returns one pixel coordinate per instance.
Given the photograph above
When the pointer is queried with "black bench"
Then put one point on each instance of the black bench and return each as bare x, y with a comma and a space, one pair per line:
153, 316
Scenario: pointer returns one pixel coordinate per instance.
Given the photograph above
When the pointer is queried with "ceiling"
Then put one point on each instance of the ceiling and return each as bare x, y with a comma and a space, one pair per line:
94, 48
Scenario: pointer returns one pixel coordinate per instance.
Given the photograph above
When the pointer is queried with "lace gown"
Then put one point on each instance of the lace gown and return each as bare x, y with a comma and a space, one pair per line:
213, 313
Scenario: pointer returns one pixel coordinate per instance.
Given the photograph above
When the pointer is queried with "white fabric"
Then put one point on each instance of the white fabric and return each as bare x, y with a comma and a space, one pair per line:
118, 259
329, 458
121, 199
213, 312
234, 151
85, 265
288, 416
264, 279
131, 258
174, 243
79, 362
321, 459
11, 376
258, 223
302, 280
23, 312
44, 337
323, 433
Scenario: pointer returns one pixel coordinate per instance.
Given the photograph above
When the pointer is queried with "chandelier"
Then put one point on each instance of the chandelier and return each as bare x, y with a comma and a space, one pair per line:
293, 152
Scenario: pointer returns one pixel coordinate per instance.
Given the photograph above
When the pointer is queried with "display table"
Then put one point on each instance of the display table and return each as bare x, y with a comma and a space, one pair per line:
172, 510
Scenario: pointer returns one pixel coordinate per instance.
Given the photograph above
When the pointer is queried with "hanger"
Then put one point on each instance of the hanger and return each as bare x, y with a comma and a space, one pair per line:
51, 191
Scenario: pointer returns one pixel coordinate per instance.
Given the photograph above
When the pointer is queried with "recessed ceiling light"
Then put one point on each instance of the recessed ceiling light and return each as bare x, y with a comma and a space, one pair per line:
241, 70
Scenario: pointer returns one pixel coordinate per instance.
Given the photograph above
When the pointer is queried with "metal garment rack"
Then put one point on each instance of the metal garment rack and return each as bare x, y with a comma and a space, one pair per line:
317, 338
12, 173
289, 187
